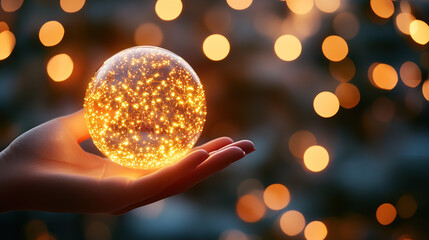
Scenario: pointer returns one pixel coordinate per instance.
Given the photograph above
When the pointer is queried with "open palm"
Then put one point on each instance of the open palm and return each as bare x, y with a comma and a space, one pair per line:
46, 169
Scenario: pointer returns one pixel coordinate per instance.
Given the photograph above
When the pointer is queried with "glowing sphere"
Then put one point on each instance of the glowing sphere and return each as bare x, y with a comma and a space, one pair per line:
145, 107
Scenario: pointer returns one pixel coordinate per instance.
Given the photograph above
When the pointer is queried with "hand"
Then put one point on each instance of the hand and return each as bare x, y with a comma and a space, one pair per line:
46, 169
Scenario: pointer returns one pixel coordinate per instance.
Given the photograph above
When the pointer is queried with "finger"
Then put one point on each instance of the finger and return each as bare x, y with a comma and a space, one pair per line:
76, 124
213, 164
215, 144
156, 182
246, 145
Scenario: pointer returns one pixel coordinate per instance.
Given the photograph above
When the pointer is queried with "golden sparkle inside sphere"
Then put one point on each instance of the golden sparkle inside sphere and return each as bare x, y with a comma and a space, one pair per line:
145, 107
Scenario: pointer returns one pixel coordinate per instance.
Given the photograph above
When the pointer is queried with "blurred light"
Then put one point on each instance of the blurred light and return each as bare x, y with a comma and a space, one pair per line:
97, 230
45, 236
303, 26
250, 208
403, 21
419, 32
218, 20
216, 47
383, 109
384, 76
11, 5
276, 196
316, 158
239, 4
249, 185
3, 26
343, 70
287, 47
300, 6
292, 222
425, 90
300, 141
326, 104
406, 206
35, 228
370, 71
410, 74
71, 6
233, 235
148, 34
327, 6
168, 10
348, 95
335, 48
51, 33
346, 25
315, 230
7, 43
405, 237
386, 213
60, 67
382, 8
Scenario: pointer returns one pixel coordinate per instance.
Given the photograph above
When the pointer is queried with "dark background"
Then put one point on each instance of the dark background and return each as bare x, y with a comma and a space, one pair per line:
250, 94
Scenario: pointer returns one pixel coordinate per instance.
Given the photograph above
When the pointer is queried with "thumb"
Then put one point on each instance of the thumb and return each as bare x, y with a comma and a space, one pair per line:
76, 124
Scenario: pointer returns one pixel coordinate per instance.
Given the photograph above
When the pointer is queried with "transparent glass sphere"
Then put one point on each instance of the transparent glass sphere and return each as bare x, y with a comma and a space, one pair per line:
145, 107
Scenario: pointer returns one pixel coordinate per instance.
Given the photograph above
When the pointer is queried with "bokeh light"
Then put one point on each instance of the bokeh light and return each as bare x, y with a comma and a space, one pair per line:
386, 214
292, 222
316, 158
276, 196
60, 67
71, 6
300, 6
35, 228
348, 95
216, 47
7, 44
239, 4
148, 34
250, 208
425, 90
406, 206
410, 74
168, 10
315, 230
384, 76
300, 141
382, 8
51, 33
346, 25
233, 234
403, 21
3, 26
383, 109
327, 6
11, 5
419, 31
326, 104
95, 229
343, 70
287, 47
335, 48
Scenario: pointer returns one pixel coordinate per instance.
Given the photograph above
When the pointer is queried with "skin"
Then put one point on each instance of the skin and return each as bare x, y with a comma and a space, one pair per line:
39, 173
